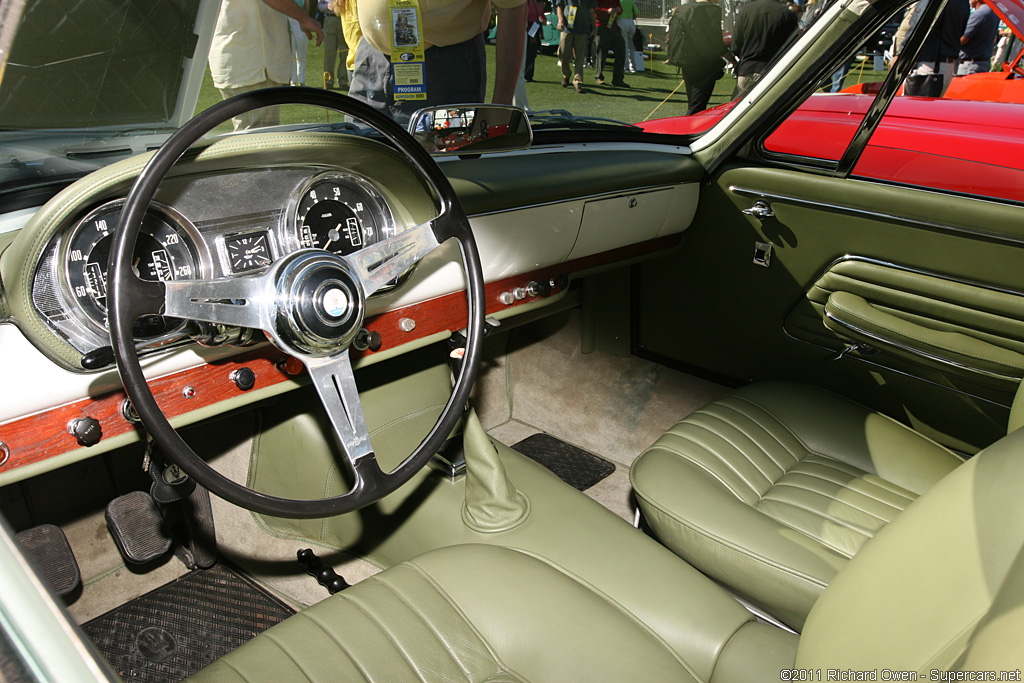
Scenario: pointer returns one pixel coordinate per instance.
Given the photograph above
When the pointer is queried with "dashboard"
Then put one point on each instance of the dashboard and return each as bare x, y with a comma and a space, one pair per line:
541, 219
201, 228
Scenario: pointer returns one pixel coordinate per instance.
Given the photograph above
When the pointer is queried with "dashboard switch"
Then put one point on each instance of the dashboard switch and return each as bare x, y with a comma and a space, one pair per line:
539, 288
129, 413
86, 430
244, 378
290, 365
366, 340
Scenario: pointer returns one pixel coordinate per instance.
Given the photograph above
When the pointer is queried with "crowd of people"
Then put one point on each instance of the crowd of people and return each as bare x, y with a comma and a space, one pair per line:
263, 43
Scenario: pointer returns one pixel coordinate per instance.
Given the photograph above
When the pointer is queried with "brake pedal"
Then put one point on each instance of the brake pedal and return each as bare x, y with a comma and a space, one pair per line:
139, 530
49, 549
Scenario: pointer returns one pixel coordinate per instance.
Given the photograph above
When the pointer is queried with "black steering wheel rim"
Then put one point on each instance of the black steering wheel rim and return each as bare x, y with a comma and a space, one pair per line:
126, 298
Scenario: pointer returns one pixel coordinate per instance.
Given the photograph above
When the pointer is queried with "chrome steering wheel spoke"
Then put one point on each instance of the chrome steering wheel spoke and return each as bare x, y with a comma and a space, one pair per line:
241, 301
384, 261
335, 383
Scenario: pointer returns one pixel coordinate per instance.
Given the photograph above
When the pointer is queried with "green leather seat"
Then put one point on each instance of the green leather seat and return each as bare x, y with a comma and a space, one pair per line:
941, 587
772, 490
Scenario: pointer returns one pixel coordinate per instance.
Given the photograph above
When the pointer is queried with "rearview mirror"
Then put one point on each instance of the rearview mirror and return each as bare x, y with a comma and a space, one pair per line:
471, 129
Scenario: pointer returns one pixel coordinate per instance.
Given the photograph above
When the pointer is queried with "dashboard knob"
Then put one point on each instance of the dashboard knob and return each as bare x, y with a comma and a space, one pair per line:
367, 340
539, 288
86, 430
244, 378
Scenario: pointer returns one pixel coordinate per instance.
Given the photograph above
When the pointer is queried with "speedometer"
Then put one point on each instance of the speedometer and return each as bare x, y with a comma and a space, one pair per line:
163, 251
341, 213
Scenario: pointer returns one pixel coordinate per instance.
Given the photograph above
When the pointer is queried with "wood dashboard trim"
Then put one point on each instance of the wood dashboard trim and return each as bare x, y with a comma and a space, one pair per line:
34, 438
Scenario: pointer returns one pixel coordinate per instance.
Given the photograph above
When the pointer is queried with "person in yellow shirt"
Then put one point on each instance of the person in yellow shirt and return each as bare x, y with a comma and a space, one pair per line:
251, 50
456, 62
349, 13
346, 12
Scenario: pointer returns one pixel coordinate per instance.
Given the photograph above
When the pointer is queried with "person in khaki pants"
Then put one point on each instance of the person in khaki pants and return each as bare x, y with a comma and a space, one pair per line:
576, 23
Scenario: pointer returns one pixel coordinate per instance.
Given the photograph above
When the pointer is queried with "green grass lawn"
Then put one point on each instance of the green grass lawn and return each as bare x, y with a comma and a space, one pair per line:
655, 93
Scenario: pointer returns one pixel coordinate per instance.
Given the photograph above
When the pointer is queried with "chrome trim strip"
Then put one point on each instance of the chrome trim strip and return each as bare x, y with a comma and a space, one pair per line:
918, 352
586, 198
878, 215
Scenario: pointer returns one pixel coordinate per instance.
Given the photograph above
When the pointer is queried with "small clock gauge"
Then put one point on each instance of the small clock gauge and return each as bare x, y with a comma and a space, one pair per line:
248, 252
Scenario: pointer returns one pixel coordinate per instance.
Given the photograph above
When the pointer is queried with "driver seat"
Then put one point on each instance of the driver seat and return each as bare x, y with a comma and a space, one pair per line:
940, 587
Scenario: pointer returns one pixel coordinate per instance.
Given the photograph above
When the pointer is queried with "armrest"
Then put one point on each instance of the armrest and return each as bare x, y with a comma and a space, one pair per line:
854, 317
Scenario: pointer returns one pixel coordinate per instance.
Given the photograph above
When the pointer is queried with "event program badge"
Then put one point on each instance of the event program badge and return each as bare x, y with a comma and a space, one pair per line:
407, 62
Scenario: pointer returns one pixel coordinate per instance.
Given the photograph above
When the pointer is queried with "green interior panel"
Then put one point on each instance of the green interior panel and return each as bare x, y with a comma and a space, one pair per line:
972, 334
708, 305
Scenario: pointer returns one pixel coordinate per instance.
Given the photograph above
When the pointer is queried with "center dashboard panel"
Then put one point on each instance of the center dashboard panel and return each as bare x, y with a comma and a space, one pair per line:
233, 210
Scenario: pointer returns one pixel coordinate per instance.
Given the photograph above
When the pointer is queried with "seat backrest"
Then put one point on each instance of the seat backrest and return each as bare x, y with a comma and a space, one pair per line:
941, 587
1017, 411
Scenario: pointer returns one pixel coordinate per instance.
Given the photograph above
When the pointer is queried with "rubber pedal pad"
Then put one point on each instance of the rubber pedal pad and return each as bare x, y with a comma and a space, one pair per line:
139, 530
49, 549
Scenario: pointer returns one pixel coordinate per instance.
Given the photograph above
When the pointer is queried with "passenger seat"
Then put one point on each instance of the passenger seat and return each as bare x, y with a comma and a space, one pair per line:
772, 489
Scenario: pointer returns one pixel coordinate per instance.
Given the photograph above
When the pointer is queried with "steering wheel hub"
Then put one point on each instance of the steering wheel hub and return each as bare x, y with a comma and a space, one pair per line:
320, 304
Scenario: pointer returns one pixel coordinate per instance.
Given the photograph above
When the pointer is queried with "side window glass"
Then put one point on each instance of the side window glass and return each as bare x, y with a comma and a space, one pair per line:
957, 124
824, 125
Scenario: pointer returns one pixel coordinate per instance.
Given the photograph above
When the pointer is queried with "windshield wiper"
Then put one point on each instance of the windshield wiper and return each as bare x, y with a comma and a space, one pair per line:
560, 118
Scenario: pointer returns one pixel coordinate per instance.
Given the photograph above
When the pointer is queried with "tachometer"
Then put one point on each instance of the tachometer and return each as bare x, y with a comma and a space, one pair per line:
163, 251
341, 213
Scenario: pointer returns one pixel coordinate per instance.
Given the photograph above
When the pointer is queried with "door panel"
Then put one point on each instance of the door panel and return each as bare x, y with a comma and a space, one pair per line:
955, 271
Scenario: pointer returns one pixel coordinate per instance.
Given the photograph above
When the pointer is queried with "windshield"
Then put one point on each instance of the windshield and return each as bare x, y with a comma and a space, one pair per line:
93, 82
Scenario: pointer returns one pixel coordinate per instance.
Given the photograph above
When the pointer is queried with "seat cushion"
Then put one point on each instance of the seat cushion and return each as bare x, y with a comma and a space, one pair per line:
772, 489
463, 613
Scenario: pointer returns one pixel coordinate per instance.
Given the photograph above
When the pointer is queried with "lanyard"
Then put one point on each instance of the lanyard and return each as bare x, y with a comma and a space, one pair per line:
407, 60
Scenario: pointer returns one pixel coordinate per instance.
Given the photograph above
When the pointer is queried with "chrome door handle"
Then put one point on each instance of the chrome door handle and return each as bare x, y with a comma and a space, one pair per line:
760, 210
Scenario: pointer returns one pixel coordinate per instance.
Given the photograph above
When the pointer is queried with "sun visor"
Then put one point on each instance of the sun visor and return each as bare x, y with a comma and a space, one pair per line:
97, 63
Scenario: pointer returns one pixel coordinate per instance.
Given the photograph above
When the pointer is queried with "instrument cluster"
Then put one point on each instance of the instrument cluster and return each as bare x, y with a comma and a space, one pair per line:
182, 239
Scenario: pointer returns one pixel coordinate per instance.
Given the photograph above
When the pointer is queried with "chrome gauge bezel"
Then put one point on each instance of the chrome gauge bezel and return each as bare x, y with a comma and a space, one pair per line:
362, 190
190, 240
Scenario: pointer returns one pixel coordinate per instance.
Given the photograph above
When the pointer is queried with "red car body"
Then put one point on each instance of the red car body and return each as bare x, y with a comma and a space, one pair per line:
970, 147
969, 141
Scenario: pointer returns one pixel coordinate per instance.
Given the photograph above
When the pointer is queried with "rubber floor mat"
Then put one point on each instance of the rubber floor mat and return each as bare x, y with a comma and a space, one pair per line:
575, 466
177, 629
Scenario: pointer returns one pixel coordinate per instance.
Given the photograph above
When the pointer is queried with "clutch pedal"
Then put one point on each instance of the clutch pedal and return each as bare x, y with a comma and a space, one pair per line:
138, 528
50, 551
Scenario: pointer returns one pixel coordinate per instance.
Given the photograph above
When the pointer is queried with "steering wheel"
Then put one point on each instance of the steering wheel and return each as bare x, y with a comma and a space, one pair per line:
309, 303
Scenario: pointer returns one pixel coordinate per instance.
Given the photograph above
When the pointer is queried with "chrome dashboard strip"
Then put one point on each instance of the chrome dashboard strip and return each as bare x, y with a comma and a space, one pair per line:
879, 215
585, 198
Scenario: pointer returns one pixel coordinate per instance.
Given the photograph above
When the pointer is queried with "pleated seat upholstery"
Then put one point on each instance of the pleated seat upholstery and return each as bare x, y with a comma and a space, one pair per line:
473, 614
772, 489
940, 588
